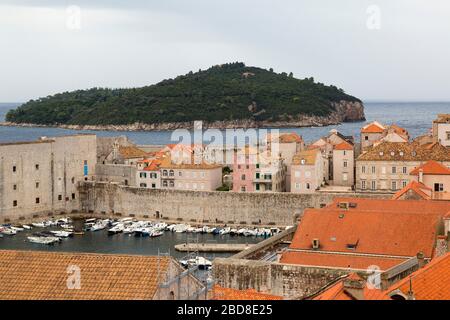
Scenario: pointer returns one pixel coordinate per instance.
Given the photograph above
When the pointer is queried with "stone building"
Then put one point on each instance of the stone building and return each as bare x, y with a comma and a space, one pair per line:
42, 176
441, 130
307, 171
387, 166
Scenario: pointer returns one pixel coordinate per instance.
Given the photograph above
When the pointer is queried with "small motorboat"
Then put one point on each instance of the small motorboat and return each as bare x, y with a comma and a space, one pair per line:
62, 234
156, 233
8, 232
26, 227
199, 262
38, 224
118, 228
225, 231
250, 233
43, 240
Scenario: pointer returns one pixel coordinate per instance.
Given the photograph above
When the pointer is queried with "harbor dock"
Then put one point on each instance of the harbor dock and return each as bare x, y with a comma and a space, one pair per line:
212, 247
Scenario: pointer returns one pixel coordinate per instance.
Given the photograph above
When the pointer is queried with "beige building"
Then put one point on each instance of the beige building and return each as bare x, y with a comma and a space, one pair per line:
387, 166
307, 171
42, 176
343, 165
441, 129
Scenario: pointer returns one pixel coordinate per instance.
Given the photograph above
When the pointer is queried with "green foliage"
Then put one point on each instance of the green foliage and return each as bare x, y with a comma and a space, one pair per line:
223, 188
224, 92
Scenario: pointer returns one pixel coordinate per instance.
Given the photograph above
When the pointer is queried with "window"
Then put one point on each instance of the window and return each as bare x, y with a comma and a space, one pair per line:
374, 169
394, 185
345, 164
143, 175
202, 174
404, 183
165, 173
438, 187
15, 203
257, 166
374, 185
448, 135
14, 169
36, 166
143, 185
297, 186
257, 187
153, 186
366, 138
363, 169
171, 173
308, 186
126, 182
363, 184
37, 200
345, 177
73, 180
404, 170
165, 183
394, 170
73, 196
243, 189
59, 197
171, 184
345, 152
257, 175
243, 177
37, 185
180, 173
15, 187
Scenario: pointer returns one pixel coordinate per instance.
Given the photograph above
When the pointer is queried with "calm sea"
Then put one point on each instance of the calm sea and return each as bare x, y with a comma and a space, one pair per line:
416, 117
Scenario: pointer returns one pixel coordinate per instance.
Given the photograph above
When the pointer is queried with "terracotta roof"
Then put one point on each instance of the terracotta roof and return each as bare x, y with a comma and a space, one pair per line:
340, 290
286, 138
372, 128
398, 130
343, 146
44, 275
433, 168
167, 163
436, 208
432, 282
405, 151
154, 165
443, 118
418, 188
309, 156
221, 293
394, 233
336, 260
132, 152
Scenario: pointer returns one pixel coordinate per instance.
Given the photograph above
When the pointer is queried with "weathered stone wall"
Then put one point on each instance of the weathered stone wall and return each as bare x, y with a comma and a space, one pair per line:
197, 206
289, 281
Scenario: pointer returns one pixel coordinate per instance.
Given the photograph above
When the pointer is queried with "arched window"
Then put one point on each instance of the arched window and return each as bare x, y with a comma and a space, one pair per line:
165, 173
164, 183
171, 173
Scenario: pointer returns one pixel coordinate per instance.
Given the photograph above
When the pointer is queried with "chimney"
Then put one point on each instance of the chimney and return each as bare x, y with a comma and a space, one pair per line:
421, 259
421, 175
355, 287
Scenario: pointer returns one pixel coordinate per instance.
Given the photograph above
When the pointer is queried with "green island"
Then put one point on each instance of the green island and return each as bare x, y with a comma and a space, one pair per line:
226, 92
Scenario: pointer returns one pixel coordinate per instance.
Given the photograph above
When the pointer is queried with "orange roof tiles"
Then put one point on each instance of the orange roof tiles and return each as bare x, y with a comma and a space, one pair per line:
221, 293
437, 208
432, 282
132, 152
338, 291
355, 262
432, 168
419, 188
308, 156
343, 146
392, 233
44, 275
405, 151
372, 128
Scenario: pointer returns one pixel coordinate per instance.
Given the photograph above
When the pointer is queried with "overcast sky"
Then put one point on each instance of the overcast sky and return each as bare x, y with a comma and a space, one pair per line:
385, 49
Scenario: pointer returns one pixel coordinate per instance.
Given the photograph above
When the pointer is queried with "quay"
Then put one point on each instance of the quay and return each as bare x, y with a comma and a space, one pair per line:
213, 247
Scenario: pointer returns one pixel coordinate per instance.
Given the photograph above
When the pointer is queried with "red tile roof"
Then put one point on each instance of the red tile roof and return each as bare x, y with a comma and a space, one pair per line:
433, 168
221, 293
372, 128
432, 282
437, 208
44, 275
354, 262
418, 188
343, 146
394, 233
338, 291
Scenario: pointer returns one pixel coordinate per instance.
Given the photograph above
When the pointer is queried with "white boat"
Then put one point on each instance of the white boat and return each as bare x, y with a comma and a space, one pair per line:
180, 228
62, 234
8, 231
38, 224
26, 227
241, 231
43, 240
200, 262
225, 231
250, 233
156, 233
129, 230
118, 228
17, 229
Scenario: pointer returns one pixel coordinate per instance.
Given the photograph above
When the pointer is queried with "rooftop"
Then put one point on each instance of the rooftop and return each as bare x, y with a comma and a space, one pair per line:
132, 152
44, 275
309, 157
343, 146
221, 293
421, 190
432, 168
373, 127
432, 282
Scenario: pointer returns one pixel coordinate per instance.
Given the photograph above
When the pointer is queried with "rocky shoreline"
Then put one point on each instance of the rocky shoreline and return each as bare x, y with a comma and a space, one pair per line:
345, 111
